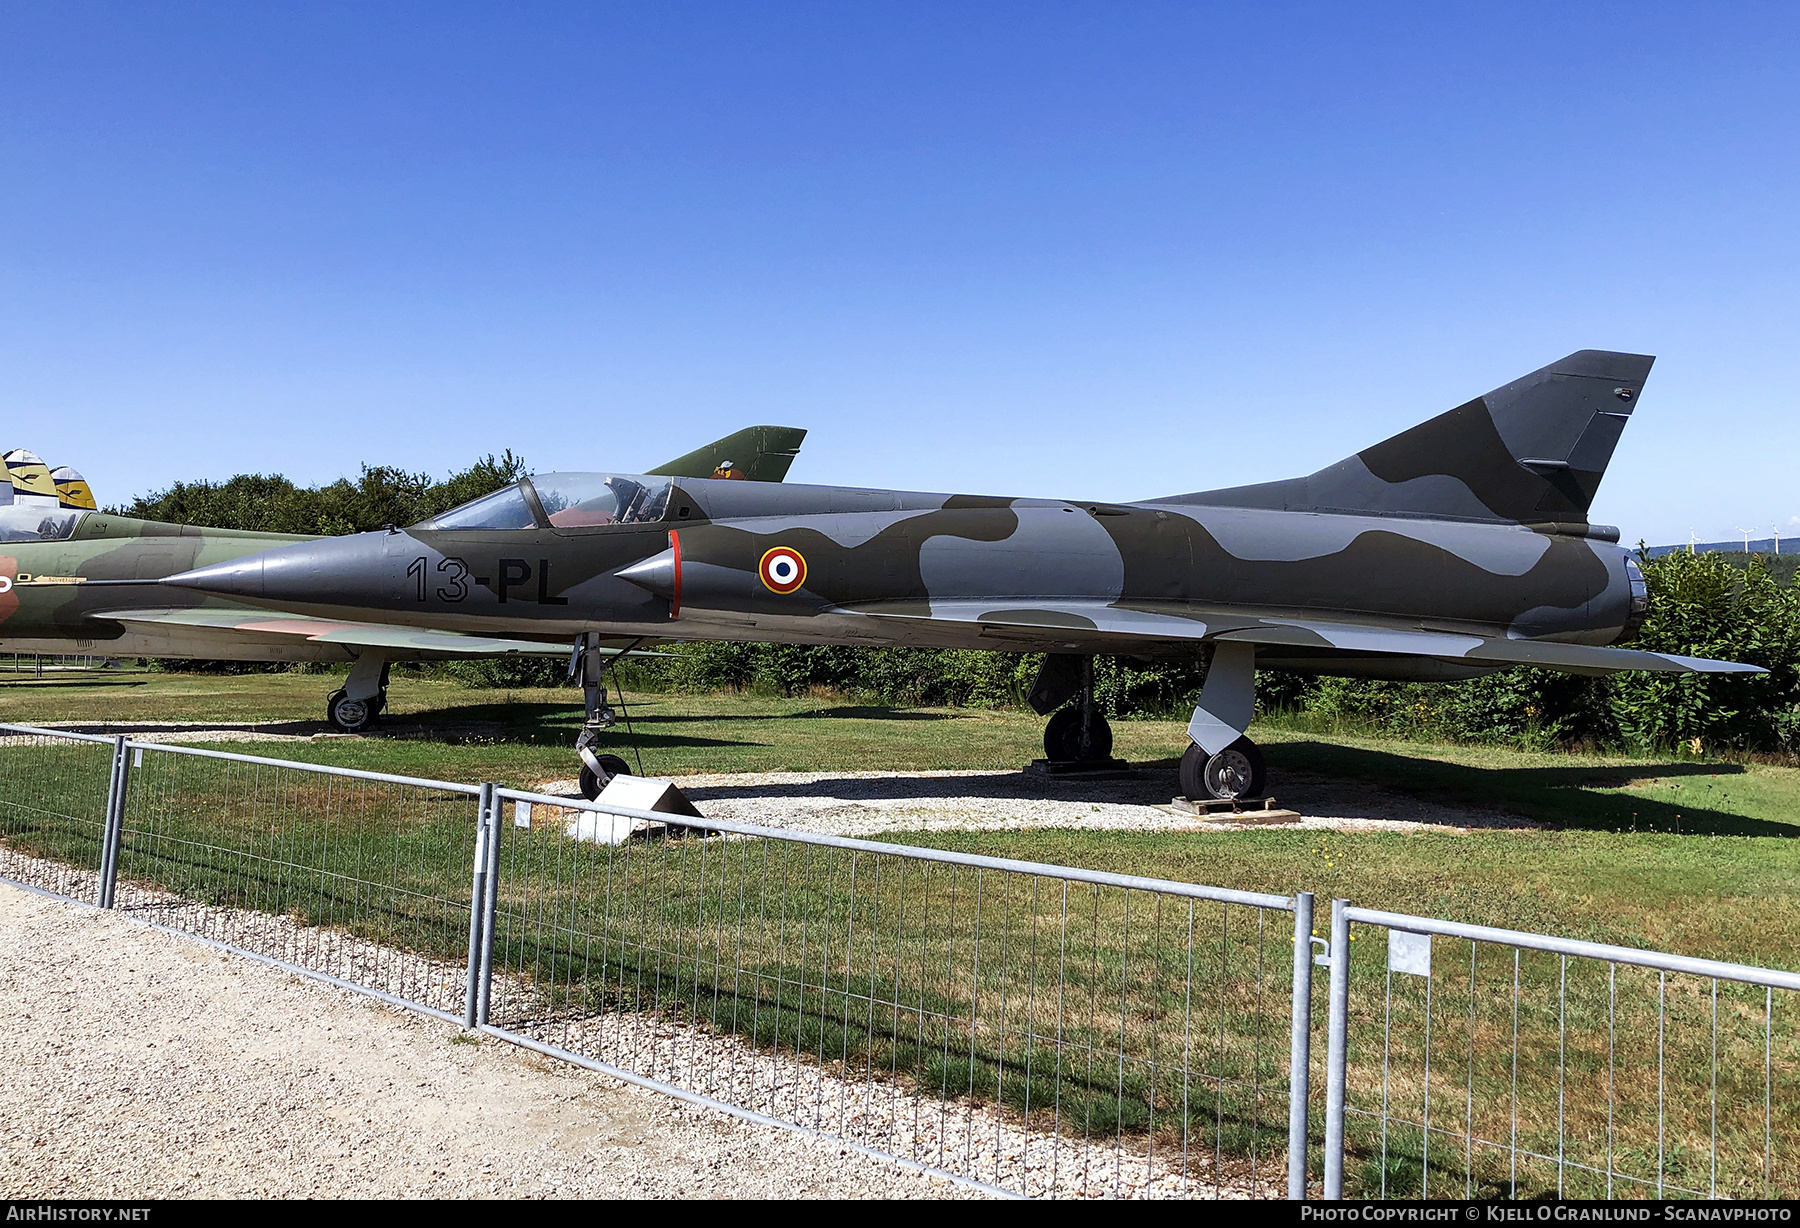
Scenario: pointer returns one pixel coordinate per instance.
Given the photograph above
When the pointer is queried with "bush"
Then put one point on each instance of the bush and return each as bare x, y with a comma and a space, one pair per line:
1702, 606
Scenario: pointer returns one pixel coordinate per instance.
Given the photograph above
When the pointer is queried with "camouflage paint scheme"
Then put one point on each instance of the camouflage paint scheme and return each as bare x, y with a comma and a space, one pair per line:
46, 608
48, 556
1455, 548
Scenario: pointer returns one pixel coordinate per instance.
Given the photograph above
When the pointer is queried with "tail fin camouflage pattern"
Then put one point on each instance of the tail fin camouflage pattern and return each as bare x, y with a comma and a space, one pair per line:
756, 454
1532, 451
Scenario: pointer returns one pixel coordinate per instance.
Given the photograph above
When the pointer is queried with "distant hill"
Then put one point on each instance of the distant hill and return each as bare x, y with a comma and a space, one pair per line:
1758, 545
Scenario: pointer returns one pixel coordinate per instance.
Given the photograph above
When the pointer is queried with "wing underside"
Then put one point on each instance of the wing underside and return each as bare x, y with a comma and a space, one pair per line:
320, 638
1080, 626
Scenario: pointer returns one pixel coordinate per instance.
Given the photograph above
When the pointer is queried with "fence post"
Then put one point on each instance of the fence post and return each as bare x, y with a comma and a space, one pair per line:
485, 985
114, 826
478, 904
1335, 1042
1300, 1046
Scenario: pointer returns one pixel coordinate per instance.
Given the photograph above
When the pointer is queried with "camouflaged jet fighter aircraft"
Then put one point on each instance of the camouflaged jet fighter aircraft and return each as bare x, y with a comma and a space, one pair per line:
76, 579
1456, 548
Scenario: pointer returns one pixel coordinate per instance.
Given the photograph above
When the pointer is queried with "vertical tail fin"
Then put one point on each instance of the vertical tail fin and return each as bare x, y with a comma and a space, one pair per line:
756, 453
1531, 451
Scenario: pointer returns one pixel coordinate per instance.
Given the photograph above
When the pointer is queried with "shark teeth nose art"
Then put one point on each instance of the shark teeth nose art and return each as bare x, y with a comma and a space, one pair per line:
782, 569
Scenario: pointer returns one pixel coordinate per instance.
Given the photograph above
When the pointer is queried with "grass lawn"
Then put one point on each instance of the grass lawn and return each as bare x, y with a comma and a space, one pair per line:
1685, 854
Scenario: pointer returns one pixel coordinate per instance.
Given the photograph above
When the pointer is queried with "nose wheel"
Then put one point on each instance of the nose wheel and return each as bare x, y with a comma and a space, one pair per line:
348, 715
353, 707
593, 781
1233, 773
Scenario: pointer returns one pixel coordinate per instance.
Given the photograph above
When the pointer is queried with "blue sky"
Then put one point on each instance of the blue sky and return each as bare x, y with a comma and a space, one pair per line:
1089, 250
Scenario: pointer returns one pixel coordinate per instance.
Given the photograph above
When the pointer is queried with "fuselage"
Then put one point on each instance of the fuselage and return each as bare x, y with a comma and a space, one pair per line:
698, 559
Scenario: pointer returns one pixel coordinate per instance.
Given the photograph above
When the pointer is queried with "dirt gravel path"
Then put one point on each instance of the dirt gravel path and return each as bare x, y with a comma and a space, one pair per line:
869, 804
139, 1063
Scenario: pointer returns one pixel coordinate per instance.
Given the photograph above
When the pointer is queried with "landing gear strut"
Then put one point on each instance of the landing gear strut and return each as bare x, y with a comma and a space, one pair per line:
353, 709
596, 769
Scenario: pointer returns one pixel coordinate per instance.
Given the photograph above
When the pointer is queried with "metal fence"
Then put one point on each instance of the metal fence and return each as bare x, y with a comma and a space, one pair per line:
1472, 1062
360, 877
1032, 1029
56, 804
1037, 1029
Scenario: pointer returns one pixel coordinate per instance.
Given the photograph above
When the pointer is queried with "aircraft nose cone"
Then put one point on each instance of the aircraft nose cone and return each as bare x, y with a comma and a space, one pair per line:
236, 578
658, 574
356, 570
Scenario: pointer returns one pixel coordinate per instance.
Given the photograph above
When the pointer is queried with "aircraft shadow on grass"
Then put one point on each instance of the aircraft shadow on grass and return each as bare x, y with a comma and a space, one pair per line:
1143, 788
1559, 797
129, 728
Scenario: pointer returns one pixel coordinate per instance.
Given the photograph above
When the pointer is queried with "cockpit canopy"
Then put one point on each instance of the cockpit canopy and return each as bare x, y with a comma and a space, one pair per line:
563, 501
31, 522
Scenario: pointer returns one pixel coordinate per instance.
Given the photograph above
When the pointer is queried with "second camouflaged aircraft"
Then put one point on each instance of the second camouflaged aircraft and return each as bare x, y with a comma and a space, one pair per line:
1455, 548
73, 578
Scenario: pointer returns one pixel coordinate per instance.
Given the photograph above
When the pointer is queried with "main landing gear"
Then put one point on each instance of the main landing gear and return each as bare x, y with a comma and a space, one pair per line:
1233, 773
596, 769
1222, 764
355, 707
1077, 737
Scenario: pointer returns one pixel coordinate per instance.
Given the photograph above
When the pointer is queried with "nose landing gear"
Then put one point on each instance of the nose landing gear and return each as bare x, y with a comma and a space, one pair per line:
596, 769
353, 708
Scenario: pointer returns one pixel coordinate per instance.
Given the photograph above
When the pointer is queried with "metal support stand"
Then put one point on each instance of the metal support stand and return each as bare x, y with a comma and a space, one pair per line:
113, 830
485, 986
481, 897
1335, 1045
1300, 1046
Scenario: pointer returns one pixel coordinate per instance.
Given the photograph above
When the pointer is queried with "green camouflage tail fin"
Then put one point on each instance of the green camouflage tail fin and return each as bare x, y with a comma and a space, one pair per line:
1532, 451
756, 453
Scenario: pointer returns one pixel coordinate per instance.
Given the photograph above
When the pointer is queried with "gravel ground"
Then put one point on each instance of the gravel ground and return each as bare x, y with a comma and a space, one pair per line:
868, 804
967, 1136
138, 1063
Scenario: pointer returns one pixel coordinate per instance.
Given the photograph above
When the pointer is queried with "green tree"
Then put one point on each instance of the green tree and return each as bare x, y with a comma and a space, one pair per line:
268, 503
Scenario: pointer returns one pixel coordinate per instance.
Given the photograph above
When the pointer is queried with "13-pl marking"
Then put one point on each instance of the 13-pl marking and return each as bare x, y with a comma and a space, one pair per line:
513, 573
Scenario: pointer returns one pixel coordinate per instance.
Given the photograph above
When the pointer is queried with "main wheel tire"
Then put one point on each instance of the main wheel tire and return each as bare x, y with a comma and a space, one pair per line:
1062, 738
591, 784
348, 715
1235, 772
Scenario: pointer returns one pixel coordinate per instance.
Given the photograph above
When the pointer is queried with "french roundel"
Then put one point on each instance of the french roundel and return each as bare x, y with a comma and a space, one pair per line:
782, 569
